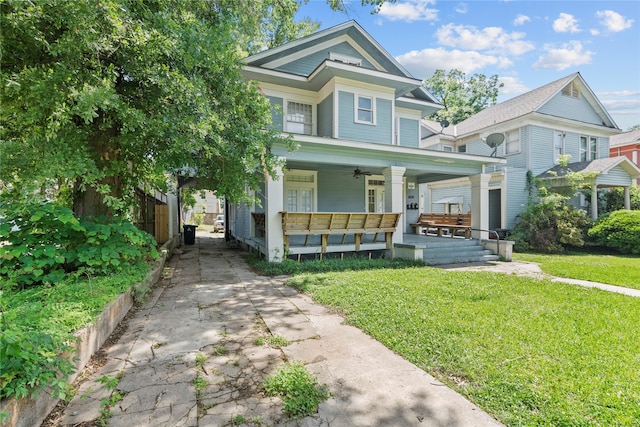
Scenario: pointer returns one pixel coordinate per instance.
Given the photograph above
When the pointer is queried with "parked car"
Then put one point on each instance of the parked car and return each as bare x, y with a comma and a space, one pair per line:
219, 225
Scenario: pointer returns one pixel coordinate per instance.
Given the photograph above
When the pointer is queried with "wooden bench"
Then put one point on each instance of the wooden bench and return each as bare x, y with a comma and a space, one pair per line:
453, 223
331, 223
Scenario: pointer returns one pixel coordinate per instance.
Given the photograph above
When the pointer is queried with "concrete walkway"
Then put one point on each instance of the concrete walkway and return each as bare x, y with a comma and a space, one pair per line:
192, 355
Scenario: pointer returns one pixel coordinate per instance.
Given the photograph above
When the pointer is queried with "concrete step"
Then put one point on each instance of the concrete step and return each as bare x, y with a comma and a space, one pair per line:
453, 251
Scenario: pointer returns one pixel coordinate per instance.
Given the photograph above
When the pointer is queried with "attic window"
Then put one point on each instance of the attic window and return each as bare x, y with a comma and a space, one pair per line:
345, 59
571, 90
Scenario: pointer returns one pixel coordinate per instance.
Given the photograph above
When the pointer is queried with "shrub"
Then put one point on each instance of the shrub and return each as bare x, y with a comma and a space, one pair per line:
44, 241
619, 230
550, 226
614, 199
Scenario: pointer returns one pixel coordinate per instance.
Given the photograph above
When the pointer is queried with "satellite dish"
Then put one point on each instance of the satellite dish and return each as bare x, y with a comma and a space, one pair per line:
444, 123
494, 140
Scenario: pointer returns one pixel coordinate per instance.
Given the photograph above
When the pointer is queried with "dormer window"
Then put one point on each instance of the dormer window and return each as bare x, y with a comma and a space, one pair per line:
571, 90
345, 59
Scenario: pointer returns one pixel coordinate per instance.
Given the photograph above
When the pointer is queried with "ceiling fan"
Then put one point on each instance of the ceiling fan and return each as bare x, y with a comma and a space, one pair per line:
357, 173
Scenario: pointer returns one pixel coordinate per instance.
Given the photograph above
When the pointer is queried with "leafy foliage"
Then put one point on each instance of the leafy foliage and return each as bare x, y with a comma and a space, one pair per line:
619, 230
614, 199
101, 95
550, 225
44, 242
31, 361
460, 95
298, 389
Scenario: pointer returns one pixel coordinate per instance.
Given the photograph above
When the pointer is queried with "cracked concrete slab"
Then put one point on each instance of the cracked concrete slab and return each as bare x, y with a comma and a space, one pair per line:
195, 353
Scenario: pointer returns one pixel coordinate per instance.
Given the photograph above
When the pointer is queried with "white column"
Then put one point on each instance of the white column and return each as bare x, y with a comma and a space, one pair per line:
627, 198
393, 197
274, 204
594, 202
480, 205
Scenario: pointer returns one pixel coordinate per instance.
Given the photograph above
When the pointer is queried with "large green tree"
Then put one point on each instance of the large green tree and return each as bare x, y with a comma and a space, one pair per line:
462, 96
101, 96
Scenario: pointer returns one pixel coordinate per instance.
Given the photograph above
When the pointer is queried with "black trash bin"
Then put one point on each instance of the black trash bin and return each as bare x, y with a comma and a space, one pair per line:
189, 234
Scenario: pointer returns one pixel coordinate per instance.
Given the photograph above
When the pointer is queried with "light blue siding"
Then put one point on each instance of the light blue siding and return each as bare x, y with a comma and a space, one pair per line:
603, 148
338, 192
409, 132
479, 148
540, 150
571, 108
572, 146
306, 65
276, 111
517, 196
325, 117
348, 129
616, 176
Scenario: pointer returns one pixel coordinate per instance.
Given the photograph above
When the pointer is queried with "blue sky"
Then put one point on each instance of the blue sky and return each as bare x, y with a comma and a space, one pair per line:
526, 43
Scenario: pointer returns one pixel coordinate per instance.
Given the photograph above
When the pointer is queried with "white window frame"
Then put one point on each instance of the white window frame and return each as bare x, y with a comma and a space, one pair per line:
448, 148
308, 180
586, 151
357, 109
557, 153
289, 125
512, 145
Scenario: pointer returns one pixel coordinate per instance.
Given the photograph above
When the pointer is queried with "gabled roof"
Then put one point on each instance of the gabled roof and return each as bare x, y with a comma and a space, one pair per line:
598, 166
528, 103
381, 68
625, 138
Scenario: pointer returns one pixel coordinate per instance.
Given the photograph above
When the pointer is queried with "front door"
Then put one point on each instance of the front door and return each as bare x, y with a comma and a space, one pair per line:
495, 207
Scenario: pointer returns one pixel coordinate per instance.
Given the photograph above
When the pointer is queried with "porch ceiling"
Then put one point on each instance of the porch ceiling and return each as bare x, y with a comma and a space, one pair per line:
344, 156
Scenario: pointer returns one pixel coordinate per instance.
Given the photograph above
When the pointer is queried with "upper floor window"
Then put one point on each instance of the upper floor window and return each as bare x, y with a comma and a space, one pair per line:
299, 118
448, 148
558, 145
512, 145
571, 90
588, 148
364, 112
345, 59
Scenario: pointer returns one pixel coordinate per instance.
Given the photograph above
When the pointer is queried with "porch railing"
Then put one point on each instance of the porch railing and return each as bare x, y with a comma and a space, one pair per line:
344, 223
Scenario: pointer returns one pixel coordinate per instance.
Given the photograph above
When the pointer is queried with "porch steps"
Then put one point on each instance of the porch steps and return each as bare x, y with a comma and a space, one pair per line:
447, 250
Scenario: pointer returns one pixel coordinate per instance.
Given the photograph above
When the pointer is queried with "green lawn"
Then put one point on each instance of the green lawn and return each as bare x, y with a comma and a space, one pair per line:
530, 352
617, 270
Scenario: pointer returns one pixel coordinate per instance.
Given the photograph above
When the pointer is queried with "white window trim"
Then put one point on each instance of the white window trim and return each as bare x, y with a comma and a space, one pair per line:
356, 108
506, 142
563, 149
590, 155
338, 57
285, 113
313, 185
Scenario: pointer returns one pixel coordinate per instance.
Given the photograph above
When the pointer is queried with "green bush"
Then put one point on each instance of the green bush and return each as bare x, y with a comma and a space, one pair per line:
31, 361
614, 199
550, 226
43, 242
619, 230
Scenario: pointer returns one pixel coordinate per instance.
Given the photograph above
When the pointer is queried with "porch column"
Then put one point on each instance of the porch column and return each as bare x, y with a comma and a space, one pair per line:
480, 205
627, 198
393, 197
594, 202
273, 205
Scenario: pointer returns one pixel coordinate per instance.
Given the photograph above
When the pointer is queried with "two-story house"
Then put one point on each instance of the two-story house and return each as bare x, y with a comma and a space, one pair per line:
532, 132
353, 183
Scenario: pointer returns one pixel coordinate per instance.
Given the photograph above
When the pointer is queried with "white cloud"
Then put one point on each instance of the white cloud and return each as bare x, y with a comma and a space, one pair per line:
594, 31
567, 55
566, 23
613, 21
462, 8
411, 10
490, 39
424, 63
521, 20
512, 86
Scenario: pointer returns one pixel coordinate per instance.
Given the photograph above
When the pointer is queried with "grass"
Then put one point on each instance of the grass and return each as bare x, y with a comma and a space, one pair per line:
298, 389
619, 270
530, 352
